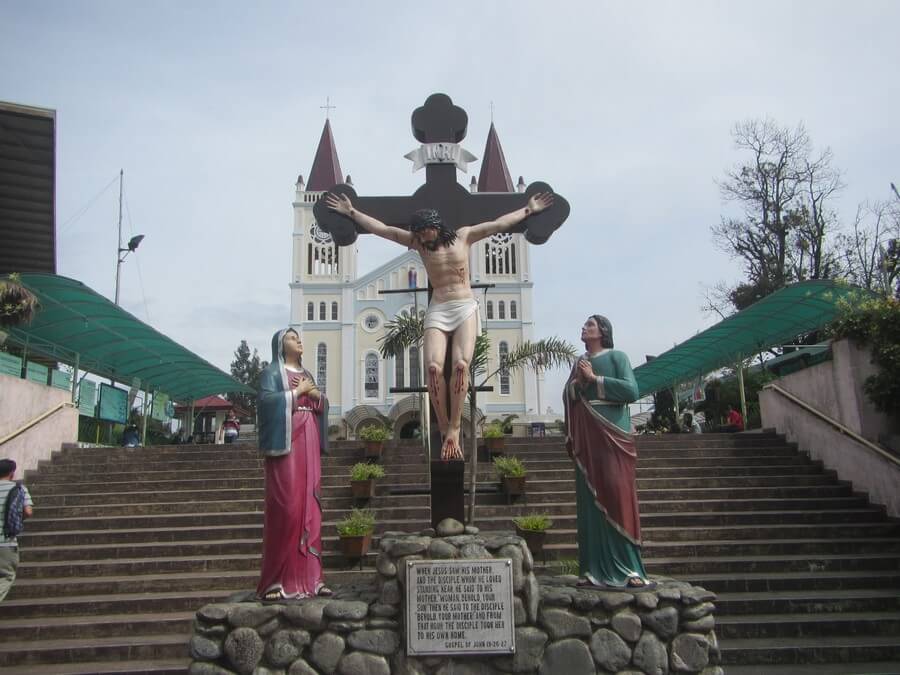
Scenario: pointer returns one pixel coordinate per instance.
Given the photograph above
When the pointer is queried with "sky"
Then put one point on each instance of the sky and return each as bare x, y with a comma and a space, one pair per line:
214, 108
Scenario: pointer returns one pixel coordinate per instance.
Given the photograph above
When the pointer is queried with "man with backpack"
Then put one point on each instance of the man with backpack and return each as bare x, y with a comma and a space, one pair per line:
17, 506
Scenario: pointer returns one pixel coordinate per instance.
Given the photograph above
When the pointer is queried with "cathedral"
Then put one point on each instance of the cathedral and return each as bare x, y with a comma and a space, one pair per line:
341, 315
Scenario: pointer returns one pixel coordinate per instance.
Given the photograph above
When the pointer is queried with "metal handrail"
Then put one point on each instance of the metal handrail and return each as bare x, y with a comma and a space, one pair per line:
833, 422
40, 418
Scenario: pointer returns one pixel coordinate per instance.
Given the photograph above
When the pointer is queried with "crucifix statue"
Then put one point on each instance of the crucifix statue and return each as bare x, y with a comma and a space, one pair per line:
441, 221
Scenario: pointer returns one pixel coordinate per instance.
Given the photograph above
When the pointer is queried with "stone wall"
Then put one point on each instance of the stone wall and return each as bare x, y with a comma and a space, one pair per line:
560, 627
835, 388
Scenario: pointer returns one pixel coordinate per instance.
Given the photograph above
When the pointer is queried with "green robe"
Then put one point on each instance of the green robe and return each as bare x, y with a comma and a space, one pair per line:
608, 551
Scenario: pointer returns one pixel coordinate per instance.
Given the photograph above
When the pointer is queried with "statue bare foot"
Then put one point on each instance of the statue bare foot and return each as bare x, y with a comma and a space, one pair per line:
450, 450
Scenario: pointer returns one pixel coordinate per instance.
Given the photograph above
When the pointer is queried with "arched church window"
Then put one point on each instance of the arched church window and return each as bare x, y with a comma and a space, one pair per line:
322, 257
500, 254
310, 311
501, 310
399, 375
371, 375
490, 309
503, 352
321, 366
334, 312
414, 376
512, 310
321, 311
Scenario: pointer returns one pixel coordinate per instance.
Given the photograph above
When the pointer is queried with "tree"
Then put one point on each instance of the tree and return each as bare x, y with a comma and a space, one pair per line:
246, 368
784, 193
871, 251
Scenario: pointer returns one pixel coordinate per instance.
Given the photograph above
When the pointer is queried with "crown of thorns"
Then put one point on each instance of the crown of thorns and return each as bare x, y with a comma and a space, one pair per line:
425, 218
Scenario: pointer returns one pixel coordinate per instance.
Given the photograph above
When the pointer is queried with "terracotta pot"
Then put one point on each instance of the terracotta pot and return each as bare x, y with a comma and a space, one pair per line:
363, 489
534, 539
356, 546
514, 486
374, 448
495, 445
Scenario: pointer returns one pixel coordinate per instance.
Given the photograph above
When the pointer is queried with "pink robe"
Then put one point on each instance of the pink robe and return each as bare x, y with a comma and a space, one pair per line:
292, 533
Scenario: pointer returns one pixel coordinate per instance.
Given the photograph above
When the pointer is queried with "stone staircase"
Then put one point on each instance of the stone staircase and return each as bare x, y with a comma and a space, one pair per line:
127, 544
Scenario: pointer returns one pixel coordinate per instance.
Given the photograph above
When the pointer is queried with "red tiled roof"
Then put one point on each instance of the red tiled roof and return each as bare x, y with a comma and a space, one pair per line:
326, 168
494, 175
214, 402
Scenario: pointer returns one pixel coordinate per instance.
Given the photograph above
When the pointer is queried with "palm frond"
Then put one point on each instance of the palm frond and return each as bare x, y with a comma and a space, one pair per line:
405, 330
480, 355
549, 352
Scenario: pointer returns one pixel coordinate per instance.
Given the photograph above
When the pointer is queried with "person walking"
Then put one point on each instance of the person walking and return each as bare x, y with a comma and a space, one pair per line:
9, 546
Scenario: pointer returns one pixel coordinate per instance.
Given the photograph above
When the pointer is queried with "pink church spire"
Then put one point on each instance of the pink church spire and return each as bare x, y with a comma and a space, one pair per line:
494, 175
326, 168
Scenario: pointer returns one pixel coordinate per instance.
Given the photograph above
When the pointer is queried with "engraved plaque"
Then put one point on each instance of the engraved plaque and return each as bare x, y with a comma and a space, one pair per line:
459, 607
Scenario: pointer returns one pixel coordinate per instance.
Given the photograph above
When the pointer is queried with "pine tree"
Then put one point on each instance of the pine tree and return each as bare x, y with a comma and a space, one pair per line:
246, 368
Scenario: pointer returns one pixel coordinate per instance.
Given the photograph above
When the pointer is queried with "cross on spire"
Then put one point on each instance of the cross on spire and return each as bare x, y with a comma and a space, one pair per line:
327, 107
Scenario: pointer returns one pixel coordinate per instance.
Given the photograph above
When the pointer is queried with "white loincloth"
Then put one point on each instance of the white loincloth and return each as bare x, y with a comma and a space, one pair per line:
448, 316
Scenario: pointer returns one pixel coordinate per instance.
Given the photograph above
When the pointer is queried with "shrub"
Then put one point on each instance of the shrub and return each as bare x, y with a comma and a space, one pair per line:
537, 522
510, 467
375, 433
18, 305
506, 424
365, 471
359, 522
493, 430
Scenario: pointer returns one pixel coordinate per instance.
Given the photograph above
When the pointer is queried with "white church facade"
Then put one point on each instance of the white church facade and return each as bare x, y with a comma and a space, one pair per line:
341, 315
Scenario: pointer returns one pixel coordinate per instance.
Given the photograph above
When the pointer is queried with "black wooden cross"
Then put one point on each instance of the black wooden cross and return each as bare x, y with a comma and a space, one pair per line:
440, 126
441, 122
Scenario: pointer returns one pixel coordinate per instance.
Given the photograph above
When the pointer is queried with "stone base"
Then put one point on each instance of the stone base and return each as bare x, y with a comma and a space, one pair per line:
560, 628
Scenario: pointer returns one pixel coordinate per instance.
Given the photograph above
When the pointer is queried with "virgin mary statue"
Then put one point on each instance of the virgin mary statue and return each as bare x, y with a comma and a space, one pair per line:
293, 423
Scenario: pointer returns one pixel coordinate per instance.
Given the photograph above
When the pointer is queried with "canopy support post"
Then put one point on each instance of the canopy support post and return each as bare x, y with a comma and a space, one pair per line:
75, 377
740, 374
144, 423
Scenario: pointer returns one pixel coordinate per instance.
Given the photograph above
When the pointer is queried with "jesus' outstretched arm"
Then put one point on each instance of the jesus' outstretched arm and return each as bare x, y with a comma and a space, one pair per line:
537, 203
342, 204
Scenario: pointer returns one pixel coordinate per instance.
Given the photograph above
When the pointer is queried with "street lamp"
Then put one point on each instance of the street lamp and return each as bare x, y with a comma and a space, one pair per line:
133, 243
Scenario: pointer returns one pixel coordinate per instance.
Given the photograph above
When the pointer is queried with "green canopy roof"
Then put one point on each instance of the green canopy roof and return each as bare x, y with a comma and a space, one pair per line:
777, 318
75, 324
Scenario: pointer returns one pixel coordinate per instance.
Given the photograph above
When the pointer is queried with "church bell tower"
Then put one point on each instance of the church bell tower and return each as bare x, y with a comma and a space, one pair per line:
316, 260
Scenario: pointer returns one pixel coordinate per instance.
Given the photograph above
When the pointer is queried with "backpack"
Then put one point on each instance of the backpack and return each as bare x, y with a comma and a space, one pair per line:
14, 512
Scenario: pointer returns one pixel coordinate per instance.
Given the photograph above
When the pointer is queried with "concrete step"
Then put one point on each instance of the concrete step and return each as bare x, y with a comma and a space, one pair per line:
177, 666
750, 582
829, 601
154, 534
692, 566
175, 506
230, 581
144, 647
103, 604
840, 668
786, 625
807, 650
89, 627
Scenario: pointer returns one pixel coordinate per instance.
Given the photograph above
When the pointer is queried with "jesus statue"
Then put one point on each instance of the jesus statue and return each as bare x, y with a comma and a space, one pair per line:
451, 320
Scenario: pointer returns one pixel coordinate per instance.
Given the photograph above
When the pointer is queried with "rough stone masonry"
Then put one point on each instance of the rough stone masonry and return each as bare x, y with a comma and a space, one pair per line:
560, 627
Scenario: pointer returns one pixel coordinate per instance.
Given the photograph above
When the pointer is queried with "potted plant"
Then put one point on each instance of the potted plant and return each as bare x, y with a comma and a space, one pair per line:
374, 436
533, 529
18, 305
362, 479
512, 475
355, 532
494, 438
